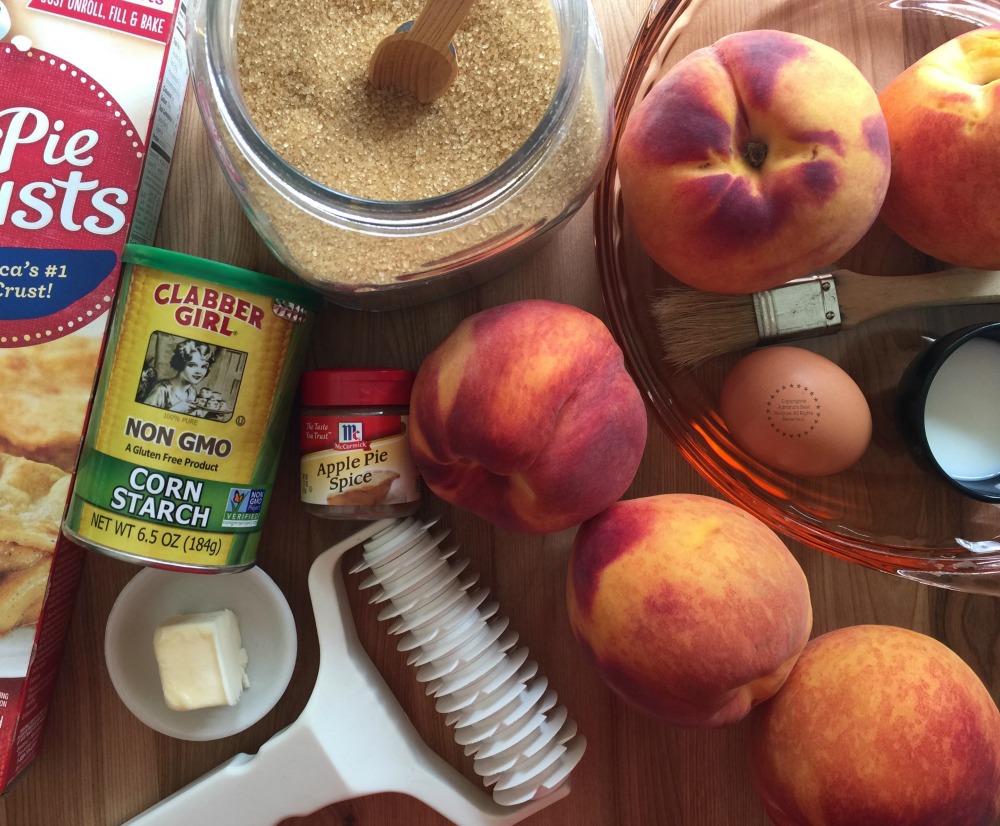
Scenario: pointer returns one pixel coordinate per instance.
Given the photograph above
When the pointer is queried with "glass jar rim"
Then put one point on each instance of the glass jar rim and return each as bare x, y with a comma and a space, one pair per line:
211, 54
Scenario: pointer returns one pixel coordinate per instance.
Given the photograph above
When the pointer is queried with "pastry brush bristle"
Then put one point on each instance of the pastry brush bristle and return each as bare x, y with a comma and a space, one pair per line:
695, 326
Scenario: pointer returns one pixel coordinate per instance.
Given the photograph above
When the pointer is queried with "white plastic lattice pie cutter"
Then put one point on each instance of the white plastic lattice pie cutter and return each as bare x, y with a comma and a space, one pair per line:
354, 739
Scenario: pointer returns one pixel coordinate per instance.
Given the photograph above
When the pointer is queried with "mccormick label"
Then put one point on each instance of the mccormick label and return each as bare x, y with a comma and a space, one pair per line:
189, 417
357, 461
90, 99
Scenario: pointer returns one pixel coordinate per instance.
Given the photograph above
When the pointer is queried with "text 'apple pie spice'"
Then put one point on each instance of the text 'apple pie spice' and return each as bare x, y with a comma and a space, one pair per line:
355, 444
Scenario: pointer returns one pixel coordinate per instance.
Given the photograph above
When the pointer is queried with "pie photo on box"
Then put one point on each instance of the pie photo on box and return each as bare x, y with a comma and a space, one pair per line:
32, 497
47, 390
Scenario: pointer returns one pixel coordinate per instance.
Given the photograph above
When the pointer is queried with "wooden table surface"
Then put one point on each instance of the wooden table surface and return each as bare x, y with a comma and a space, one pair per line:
100, 766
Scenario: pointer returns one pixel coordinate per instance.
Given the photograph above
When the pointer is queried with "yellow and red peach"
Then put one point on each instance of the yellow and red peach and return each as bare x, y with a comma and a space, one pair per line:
943, 114
879, 725
690, 608
754, 160
526, 416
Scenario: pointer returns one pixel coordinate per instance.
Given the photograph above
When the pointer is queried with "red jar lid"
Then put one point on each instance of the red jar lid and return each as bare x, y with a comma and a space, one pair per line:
356, 387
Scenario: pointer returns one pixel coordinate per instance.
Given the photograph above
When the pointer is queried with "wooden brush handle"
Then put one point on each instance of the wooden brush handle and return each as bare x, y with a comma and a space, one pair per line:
863, 297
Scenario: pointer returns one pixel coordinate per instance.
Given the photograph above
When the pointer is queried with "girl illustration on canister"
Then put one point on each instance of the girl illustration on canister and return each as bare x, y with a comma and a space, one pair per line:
192, 360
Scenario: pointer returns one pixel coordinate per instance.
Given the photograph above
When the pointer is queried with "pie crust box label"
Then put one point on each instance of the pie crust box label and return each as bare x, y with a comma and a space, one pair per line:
189, 417
90, 100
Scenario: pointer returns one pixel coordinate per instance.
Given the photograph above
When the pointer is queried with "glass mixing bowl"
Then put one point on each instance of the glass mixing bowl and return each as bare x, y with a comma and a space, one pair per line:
381, 255
888, 511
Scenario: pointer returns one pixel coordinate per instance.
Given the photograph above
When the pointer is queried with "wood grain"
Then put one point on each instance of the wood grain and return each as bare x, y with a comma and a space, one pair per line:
100, 766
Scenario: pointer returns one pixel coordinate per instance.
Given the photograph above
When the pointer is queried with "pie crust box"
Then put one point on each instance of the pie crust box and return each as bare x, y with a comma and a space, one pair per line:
90, 99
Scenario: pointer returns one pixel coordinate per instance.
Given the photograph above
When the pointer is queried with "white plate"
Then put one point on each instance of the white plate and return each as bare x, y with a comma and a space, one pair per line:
266, 625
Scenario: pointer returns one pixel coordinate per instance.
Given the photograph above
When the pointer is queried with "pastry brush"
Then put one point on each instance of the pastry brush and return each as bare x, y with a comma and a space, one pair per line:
695, 326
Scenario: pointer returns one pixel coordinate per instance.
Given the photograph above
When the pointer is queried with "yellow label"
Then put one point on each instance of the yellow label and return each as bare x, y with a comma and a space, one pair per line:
208, 423
151, 540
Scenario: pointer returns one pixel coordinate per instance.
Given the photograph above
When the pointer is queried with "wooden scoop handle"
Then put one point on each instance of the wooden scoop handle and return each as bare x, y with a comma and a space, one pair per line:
438, 21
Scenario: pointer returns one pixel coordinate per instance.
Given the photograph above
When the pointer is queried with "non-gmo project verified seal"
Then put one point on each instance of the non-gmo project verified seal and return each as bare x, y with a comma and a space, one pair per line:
243, 508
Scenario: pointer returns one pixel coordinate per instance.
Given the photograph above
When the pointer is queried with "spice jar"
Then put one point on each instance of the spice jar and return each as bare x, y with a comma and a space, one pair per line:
355, 444
376, 251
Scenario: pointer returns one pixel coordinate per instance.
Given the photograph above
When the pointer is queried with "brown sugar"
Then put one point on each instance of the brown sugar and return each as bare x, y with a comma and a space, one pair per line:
303, 73
307, 94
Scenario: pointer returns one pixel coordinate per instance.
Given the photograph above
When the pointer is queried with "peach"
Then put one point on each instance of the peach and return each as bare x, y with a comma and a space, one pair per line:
691, 609
526, 416
943, 114
878, 725
753, 161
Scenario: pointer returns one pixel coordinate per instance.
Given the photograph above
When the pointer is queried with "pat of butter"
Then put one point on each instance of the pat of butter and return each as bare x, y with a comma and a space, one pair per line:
201, 660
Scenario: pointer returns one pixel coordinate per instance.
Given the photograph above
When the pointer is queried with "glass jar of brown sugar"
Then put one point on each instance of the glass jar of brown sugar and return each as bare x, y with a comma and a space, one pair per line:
355, 445
373, 198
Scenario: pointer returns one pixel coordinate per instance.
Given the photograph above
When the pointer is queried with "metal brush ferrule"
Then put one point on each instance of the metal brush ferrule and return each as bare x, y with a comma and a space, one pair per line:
803, 307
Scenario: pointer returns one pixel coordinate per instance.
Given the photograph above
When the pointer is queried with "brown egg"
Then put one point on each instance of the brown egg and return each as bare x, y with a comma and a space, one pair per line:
796, 411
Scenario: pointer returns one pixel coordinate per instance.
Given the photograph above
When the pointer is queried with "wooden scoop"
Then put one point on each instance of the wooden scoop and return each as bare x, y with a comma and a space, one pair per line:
419, 58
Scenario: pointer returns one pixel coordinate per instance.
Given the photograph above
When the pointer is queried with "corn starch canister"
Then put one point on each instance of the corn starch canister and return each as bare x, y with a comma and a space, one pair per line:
190, 412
